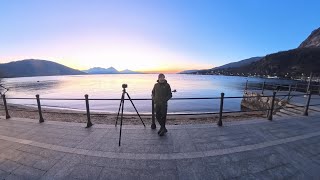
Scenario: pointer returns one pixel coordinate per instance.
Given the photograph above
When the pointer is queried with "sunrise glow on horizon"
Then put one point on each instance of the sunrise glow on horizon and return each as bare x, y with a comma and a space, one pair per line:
150, 36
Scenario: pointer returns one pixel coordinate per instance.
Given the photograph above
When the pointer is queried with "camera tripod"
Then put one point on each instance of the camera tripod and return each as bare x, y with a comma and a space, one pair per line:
124, 92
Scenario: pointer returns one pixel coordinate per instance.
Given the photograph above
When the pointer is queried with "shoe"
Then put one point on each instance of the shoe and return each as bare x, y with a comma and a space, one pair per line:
165, 129
161, 132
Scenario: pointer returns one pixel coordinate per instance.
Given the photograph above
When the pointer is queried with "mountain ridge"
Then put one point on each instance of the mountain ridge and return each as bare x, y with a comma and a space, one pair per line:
292, 63
110, 70
35, 67
312, 41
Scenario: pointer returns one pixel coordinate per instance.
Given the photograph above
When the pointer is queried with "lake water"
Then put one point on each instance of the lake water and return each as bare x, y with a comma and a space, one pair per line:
139, 86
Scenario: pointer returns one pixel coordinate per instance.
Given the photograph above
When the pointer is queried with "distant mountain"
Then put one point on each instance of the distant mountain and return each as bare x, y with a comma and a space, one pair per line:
239, 63
99, 70
35, 67
287, 64
312, 41
188, 71
127, 71
229, 65
110, 70
293, 63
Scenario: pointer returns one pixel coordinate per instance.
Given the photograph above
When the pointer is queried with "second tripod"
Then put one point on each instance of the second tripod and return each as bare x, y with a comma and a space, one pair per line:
121, 106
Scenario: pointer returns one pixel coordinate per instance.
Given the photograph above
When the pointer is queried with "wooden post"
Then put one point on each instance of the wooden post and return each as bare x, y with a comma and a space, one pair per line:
5, 106
41, 120
221, 110
153, 124
307, 105
89, 123
272, 106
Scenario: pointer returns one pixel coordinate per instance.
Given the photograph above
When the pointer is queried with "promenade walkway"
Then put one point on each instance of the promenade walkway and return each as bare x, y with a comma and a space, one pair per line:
286, 148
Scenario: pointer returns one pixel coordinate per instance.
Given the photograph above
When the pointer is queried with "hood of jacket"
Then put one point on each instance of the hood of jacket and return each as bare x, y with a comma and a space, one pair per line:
165, 81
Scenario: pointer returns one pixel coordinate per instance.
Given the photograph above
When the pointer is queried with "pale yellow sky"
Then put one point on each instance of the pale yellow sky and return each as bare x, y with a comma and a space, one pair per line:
120, 53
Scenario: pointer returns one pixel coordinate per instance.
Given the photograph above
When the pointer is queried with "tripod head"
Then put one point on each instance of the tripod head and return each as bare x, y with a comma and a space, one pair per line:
124, 86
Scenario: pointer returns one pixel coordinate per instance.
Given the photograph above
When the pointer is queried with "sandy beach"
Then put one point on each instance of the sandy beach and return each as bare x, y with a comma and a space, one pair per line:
133, 119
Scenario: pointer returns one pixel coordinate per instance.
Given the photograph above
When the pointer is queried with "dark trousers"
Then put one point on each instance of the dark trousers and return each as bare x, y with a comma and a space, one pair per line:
161, 114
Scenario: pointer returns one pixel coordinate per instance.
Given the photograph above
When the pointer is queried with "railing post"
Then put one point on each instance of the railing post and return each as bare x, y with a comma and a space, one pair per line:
295, 89
89, 123
308, 88
263, 85
272, 106
221, 110
41, 120
307, 105
153, 124
246, 88
5, 106
289, 93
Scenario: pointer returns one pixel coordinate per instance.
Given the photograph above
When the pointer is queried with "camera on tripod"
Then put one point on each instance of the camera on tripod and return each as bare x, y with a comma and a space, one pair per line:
124, 92
124, 86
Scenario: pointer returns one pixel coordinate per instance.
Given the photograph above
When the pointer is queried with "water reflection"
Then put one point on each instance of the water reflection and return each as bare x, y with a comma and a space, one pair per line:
139, 86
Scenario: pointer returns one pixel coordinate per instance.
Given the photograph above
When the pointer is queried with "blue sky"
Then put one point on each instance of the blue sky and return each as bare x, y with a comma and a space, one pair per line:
152, 35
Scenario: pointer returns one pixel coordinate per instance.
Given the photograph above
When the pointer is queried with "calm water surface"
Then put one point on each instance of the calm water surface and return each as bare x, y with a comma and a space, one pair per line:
139, 86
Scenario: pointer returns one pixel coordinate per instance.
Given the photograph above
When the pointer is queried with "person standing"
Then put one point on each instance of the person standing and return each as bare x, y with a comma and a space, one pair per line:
161, 93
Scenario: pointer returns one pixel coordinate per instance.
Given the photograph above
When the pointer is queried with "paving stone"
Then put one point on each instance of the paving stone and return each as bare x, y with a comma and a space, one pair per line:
217, 160
82, 171
233, 170
9, 166
31, 149
245, 177
68, 143
28, 172
10, 154
118, 173
280, 172
139, 156
63, 167
27, 159
52, 154
3, 174
91, 140
197, 169
299, 161
45, 163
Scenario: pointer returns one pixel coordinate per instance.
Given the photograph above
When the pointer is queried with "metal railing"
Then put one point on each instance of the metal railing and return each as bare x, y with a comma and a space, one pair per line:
220, 113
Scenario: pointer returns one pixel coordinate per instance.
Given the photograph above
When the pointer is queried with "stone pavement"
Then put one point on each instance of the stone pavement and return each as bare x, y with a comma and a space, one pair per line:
287, 148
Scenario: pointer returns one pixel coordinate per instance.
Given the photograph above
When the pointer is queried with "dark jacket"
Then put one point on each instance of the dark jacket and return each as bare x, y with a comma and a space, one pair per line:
161, 92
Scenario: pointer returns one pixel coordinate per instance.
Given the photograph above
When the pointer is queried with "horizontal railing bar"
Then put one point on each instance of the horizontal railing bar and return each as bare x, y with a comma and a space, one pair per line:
19, 98
63, 99
246, 111
182, 114
148, 99
314, 105
286, 107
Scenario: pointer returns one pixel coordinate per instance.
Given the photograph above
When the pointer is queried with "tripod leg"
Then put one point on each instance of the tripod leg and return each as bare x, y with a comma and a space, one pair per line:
121, 104
135, 109
121, 120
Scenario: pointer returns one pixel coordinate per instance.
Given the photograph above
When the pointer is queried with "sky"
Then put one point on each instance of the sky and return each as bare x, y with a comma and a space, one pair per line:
152, 35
